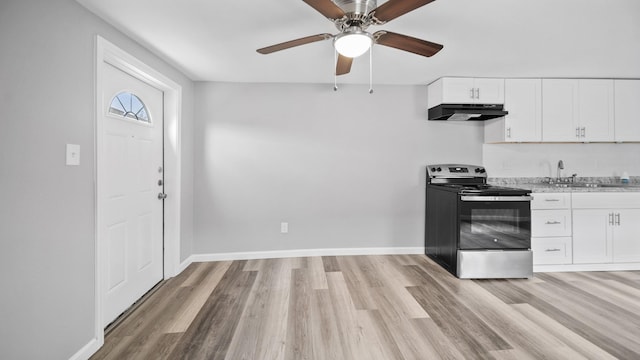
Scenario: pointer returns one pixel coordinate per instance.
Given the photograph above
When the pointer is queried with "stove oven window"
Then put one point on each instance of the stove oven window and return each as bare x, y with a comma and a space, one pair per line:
495, 225
503, 221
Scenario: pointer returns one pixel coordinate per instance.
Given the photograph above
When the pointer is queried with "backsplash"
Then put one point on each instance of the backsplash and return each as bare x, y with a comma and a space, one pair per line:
516, 181
541, 160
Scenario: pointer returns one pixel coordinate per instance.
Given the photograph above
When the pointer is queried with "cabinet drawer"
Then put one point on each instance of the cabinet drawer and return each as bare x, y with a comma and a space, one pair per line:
545, 223
606, 200
548, 251
551, 201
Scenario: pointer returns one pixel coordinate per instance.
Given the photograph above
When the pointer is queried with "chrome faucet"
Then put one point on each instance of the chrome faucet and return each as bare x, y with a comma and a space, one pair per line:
560, 167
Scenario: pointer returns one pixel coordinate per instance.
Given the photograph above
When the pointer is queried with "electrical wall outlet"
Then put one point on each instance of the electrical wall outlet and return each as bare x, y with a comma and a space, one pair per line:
284, 227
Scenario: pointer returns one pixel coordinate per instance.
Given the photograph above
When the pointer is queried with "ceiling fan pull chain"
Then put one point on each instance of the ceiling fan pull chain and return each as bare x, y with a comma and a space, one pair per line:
370, 69
335, 76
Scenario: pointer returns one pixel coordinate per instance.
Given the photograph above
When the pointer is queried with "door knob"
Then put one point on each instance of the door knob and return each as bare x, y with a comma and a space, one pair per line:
162, 196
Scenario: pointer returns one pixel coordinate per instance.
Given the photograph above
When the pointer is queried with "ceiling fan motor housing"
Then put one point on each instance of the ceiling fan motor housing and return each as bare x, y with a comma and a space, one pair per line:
360, 7
356, 13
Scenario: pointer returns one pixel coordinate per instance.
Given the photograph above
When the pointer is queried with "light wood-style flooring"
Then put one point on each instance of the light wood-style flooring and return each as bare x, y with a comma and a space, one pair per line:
378, 307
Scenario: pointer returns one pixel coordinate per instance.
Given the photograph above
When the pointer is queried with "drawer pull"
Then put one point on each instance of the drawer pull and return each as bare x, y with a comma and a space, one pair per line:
551, 199
553, 222
552, 250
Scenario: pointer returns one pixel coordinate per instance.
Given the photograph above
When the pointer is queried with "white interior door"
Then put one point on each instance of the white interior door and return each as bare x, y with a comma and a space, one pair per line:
131, 176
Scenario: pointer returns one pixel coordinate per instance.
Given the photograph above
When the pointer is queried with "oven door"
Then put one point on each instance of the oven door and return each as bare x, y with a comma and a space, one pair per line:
495, 222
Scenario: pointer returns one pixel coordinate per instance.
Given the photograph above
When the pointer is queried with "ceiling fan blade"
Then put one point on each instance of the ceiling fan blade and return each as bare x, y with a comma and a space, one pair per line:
293, 43
327, 8
343, 66
394, 8
406, 43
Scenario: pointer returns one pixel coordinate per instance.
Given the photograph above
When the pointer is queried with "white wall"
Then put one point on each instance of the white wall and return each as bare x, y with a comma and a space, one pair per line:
345, 169
541, 160
47, 57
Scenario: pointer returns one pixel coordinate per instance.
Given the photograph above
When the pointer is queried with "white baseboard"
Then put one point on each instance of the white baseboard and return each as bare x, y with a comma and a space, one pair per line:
183, 265
587, 267
300, 253
86, 351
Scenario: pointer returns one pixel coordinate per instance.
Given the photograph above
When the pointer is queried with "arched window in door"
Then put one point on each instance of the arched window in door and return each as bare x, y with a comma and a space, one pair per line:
129, 106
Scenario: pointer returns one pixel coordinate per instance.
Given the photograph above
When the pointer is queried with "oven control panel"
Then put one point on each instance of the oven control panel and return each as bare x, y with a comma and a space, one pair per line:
454, 171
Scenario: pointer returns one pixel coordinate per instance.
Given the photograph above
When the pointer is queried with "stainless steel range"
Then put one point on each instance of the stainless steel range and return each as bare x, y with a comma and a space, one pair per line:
476, 230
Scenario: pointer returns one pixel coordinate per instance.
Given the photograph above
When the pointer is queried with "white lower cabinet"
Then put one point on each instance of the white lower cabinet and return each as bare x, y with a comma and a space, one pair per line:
586, 231
593, 236
626, 236
551, 228
606, 228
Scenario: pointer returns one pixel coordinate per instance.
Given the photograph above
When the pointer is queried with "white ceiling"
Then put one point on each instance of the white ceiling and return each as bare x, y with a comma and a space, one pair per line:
215, 40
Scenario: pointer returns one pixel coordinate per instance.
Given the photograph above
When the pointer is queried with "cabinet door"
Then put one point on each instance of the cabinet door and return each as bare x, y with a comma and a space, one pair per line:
489, 91
626, 236
523, 101
559, 110
627, 118
595, 104
592, 236
458, 91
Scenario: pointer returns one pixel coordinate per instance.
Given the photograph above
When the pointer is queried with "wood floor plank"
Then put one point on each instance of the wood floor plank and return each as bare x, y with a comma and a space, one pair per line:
326, 335
345, 312
457, 321
210, 333
262, 326
299, 326
561, 306
560, 332
317, 274
378, 307
197, 274
359, 281
206, 282
620, 322
380, 343
330, 263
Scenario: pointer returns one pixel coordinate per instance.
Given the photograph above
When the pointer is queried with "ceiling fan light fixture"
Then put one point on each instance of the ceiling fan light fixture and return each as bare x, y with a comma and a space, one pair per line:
353, 42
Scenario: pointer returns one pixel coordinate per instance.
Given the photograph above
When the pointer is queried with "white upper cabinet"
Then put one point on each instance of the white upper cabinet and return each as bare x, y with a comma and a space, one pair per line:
577, 110
595, 107
453, 90
559, 110
627, 117
523, 101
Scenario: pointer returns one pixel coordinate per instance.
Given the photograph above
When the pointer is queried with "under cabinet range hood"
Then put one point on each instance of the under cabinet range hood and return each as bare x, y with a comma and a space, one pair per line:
466, 112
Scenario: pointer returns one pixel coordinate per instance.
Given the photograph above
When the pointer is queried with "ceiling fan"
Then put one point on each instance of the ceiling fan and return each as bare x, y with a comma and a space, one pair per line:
352, 18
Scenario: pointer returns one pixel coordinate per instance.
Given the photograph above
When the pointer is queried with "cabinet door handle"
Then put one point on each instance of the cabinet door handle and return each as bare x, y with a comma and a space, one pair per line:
552, 250
577, 132
509, 132
610, 218
477, 93
473, 93
583, 132
554, 222
618, 219
551, 199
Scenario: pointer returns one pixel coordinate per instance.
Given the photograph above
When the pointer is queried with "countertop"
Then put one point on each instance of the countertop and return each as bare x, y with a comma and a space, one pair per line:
602, 184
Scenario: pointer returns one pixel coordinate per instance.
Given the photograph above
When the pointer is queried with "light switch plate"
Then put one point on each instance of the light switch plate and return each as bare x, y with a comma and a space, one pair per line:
73, 154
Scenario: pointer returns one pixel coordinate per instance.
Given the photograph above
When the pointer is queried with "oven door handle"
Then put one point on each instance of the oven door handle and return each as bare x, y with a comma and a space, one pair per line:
496, 198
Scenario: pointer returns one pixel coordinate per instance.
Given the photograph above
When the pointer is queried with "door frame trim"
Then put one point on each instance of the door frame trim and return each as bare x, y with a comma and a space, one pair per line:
172, 109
